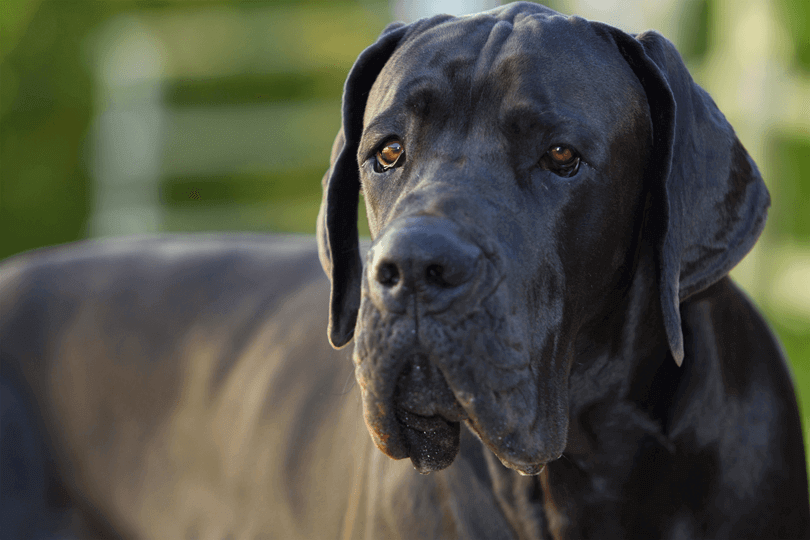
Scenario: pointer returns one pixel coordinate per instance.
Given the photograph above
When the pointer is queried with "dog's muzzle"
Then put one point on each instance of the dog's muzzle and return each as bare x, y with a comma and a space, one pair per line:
438, 343
418, 268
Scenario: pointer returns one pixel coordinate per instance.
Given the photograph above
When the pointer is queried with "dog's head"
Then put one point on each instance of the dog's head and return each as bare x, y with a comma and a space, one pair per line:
511, 163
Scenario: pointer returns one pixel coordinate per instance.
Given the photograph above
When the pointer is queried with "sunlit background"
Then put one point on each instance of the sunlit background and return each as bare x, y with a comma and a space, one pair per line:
124, 117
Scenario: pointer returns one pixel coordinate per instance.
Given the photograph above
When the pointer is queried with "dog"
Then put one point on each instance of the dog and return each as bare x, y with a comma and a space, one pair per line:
543, 324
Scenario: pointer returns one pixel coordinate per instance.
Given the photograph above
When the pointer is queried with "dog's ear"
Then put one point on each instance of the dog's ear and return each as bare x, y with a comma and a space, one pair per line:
709, 203
338, 246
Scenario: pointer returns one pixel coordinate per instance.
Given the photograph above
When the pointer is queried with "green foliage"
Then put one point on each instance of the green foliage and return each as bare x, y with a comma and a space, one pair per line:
790, 163
242, 188
256, 88
796, 19
693, 42
47, 100
46, 108
14, 18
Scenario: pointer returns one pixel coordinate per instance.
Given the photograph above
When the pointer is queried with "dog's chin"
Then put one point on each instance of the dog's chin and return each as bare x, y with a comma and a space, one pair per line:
521, 466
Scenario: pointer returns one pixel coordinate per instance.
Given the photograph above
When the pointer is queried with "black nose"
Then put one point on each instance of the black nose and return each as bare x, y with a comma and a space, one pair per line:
421, 256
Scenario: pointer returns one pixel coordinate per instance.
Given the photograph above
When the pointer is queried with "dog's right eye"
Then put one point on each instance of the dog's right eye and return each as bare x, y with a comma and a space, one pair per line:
561, 160
390, 155
561, 154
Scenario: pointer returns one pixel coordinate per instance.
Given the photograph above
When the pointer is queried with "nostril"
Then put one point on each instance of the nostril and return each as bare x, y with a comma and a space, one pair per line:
434, 275
446, 276
388, 274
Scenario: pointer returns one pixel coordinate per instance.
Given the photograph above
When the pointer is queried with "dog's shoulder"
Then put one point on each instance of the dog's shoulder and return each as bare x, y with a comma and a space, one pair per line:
726, 327
736, 403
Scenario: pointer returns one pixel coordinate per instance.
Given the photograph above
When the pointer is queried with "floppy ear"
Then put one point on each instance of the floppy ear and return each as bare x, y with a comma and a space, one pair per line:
338, 246
709, 200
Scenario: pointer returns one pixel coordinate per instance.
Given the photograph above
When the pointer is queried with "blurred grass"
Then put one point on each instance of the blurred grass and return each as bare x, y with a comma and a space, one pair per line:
256, 88
790, 216
794, 15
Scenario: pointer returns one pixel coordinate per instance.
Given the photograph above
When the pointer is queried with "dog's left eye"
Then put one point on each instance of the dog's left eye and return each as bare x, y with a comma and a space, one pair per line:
561, 160
391, 155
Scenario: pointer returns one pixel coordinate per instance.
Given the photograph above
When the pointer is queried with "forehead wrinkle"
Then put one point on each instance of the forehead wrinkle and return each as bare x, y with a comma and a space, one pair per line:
568, 71
386, 94
489, 53
510, 63
445, 57
394, 101
458, 62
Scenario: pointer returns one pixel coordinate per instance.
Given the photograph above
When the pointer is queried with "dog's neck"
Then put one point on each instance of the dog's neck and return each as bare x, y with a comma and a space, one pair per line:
636, 393
631, 369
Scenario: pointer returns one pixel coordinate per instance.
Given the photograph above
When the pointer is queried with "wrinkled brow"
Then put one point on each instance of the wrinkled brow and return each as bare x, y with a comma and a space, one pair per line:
424, 99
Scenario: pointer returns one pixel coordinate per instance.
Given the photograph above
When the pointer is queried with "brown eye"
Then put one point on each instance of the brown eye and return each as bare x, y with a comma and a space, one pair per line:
389, 155
561, 154
561, 160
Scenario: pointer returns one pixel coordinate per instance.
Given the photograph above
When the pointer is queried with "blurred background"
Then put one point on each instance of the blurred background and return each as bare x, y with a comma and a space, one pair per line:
122, 116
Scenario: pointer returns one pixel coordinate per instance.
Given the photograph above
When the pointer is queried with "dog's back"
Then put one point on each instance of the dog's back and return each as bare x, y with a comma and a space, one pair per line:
174, 388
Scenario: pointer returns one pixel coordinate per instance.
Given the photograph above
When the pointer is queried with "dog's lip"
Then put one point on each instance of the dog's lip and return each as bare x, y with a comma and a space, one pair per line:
422, 393
432, 442
421, 423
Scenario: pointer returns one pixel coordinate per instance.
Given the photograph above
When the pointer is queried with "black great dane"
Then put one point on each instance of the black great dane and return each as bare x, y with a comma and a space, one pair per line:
543, 321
